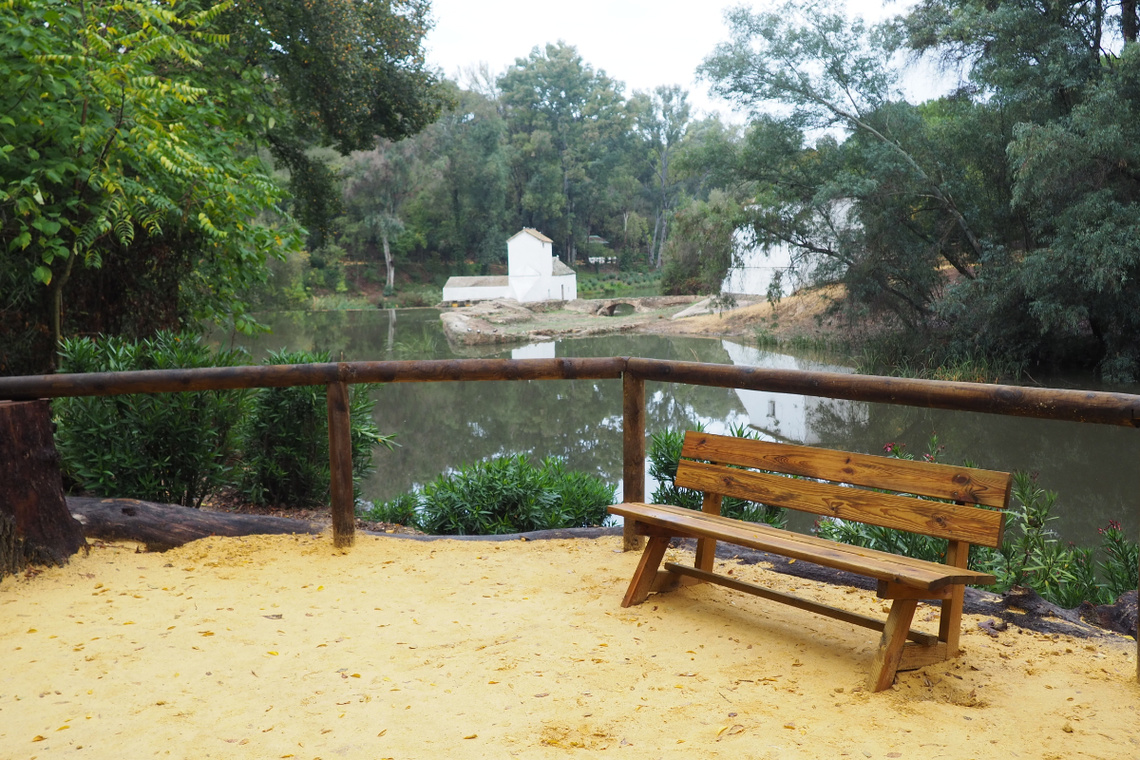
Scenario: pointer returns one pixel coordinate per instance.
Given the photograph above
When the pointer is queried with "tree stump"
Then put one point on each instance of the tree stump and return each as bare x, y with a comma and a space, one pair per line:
36, 527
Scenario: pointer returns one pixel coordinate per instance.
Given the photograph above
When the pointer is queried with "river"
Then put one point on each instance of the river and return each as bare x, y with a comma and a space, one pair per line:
440, 426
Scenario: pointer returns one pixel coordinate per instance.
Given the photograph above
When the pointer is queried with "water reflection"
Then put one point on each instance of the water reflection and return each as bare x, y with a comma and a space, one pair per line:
440, 426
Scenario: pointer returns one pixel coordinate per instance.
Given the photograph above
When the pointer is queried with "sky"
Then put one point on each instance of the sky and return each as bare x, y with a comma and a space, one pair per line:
643, 43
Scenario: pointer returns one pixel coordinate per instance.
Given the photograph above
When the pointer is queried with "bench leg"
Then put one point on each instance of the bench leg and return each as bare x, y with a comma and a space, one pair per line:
891, 645
646, 572
950, 621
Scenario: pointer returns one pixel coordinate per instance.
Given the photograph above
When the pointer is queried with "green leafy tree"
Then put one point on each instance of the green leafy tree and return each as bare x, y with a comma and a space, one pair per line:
662, 120
131, 144
567, 123
107, 143
377, 184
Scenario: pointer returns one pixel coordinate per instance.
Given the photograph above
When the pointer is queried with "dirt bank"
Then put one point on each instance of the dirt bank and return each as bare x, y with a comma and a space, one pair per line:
805, 314
280, 646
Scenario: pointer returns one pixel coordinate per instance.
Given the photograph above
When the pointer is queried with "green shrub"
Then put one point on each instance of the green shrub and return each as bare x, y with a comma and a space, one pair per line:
501, 495
166, 447
285, 440
664, 456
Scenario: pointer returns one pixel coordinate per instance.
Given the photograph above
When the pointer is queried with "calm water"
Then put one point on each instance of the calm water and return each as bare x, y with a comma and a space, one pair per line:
440, 426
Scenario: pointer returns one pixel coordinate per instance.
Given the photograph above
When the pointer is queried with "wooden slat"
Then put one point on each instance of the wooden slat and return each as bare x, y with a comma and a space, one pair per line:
869, 562
932, 518
965, 484
795, 601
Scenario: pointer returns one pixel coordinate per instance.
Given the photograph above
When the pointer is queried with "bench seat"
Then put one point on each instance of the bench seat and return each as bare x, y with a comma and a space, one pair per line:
882, 566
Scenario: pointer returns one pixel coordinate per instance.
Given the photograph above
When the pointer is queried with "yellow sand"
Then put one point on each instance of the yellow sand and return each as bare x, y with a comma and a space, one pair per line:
275, 647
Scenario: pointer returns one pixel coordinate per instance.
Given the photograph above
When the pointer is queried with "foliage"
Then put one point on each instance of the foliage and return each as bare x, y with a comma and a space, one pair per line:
171, 447
702, 248
665, 455
502, 495
133, 175
903, 355
285, 440
992, 223
112, 148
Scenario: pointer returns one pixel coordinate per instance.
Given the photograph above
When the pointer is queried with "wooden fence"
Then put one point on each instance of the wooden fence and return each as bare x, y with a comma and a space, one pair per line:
1092, 407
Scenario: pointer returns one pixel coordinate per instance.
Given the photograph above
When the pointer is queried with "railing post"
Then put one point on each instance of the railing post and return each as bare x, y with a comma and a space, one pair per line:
633, 449
342, 505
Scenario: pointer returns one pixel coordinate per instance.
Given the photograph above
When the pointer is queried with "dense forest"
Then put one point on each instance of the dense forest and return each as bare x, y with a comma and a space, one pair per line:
170, 165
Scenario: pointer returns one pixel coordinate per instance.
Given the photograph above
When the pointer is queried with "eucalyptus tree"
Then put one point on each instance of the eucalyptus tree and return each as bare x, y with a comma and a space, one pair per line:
377, 184
567, 123
662, 122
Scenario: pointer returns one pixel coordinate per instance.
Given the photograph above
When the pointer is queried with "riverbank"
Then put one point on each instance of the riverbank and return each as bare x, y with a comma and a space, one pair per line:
809, 315
281, 646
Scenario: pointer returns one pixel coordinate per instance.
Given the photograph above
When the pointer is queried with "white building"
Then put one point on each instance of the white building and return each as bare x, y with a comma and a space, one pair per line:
533, 274
759, 268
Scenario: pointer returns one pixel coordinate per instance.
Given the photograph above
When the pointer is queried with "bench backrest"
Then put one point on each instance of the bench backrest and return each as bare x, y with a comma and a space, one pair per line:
722, 457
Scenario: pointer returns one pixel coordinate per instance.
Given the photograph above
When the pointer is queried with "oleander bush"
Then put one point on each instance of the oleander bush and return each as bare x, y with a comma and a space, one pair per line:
285, 441
175, 448
501, 495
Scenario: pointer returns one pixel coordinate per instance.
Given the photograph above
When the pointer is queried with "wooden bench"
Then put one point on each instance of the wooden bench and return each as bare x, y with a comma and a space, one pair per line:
839, 485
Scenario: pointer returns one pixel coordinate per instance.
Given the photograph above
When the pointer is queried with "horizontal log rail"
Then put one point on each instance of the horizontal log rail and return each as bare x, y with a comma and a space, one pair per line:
1095, 407
25, 388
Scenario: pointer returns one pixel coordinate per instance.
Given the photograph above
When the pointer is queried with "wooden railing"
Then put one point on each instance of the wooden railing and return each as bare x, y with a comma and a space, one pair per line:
1093, 407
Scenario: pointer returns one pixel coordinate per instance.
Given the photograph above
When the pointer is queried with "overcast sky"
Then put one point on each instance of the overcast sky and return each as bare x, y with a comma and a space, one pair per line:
643, 43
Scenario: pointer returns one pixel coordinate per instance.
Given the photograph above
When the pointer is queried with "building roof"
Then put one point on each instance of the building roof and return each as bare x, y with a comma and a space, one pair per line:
533, 233
500, 281
560, 268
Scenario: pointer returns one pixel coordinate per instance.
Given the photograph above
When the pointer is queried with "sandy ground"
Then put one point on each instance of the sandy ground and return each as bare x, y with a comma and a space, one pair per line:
278, 647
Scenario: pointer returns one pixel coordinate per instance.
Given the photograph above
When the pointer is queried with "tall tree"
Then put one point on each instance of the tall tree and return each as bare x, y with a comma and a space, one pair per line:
565, 120
130, 131
377, 185
832, 71
663, 122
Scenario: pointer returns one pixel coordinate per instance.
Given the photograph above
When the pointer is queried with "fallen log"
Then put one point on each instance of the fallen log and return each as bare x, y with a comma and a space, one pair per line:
165, 526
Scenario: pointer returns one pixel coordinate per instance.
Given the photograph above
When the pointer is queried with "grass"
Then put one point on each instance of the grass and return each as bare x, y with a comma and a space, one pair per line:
618, 284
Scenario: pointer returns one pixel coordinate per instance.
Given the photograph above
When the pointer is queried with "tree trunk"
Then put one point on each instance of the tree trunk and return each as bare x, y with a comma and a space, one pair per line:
35, 526
391, 281
165, 526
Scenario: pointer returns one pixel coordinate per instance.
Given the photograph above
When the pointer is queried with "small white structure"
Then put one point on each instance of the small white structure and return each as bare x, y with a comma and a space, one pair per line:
533, 274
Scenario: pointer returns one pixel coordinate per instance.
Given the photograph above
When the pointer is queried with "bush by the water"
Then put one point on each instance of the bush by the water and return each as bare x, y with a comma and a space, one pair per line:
180, 448
501, 495
285, 439
175, 448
